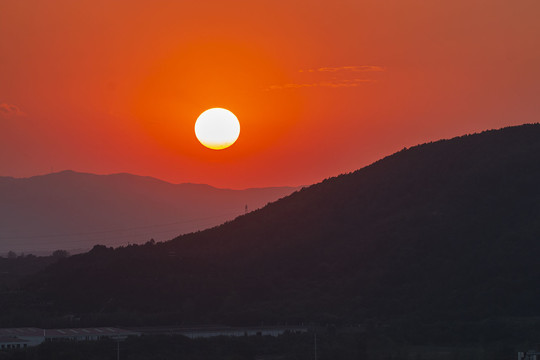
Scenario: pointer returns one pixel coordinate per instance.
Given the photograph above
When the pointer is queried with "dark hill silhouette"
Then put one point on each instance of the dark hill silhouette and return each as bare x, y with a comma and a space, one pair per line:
445, 230
85, 209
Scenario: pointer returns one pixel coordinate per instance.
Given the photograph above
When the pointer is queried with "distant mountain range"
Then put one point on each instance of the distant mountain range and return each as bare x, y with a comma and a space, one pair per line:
441, 232
75, 211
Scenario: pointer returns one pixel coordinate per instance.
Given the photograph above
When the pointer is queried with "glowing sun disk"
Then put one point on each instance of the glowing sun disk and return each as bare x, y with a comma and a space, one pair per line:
217, 128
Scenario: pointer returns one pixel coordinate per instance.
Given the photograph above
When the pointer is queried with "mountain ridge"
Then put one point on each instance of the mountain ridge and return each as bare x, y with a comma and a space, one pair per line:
129, 175
443, 230
69, 202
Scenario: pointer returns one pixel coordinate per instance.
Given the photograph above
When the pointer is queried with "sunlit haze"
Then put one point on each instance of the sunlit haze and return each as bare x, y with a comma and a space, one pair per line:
320, 88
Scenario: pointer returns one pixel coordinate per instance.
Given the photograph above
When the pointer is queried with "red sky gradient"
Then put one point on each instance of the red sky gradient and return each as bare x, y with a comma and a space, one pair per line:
320, 87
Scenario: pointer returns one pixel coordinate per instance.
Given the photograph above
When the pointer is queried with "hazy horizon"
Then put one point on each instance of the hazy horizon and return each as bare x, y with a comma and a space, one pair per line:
319, 88
70, 210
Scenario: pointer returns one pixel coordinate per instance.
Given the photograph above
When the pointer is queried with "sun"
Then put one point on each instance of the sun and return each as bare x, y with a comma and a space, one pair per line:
217, 128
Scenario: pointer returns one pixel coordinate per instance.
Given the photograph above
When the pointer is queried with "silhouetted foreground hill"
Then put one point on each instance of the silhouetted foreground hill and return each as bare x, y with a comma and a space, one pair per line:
70, 210
442, 231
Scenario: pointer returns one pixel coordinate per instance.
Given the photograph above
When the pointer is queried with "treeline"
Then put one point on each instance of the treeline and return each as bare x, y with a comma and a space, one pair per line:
446, 230
285, 347
375, 343
15, 267
442, 233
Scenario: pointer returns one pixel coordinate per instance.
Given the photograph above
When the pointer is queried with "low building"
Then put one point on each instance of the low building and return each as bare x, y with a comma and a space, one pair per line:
26, 336
87, 334
12, 342
211, 331
528, 355
16, 338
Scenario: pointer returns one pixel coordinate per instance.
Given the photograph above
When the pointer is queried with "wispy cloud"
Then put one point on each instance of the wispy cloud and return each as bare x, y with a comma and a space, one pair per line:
332, 77
330, 84
10, 110
355, 68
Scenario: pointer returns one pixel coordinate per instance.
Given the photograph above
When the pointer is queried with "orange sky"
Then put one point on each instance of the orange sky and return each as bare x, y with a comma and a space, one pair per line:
320, 87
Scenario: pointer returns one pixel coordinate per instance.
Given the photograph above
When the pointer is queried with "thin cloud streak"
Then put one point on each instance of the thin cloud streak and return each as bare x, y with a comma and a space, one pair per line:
341, 77
355, 68
331, 84
10, 110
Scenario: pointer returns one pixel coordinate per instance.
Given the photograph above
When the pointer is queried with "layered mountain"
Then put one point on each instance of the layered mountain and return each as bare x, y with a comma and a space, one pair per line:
70, 210
444, 230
